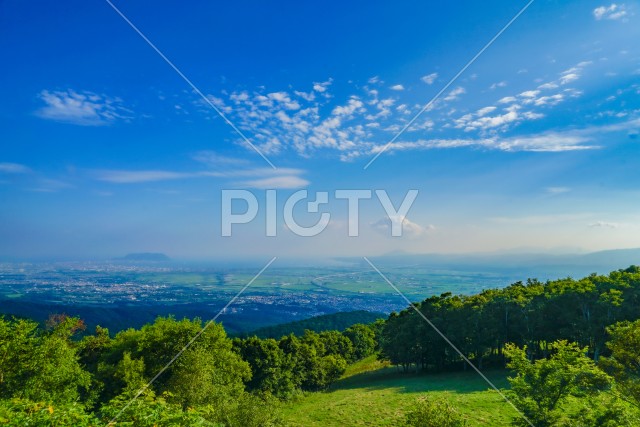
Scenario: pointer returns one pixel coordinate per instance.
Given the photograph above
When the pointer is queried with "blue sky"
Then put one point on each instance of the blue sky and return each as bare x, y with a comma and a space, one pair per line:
107, 150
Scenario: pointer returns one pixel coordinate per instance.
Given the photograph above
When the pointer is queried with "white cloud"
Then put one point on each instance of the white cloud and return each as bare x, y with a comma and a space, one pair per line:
497, 85
307, 122
455, 94
346, 110
548, 142
283, 98
81, 108
530, 93
409, 229
549, 85
322, 86
493, 121
568, 78
429, 78
520, 107
397, 87
486, 110
549, 100
306, 96
613, 12
13, 168
545, 142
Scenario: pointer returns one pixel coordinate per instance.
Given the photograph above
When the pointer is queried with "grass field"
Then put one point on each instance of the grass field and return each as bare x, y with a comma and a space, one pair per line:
373, 394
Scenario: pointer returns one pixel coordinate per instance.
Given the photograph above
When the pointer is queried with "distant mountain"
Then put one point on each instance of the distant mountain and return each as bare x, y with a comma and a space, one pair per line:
146, 256
327, 322
604, 261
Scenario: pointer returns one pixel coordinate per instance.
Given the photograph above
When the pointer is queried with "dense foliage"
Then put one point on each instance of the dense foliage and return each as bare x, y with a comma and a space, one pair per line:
49, 376
531, 314
310, 362
326, 322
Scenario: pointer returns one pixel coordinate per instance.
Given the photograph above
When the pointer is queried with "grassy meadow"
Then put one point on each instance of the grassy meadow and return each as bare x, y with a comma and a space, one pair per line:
372, 393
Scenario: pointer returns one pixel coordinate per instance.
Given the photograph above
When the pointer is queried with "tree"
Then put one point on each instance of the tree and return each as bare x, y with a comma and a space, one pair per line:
337, 344
605, 411
206, 371
540, 388
41, 365
363, 339
624, 362
272, 371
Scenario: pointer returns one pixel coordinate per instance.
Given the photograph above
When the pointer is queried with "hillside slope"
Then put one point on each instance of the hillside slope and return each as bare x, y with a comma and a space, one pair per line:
374, 394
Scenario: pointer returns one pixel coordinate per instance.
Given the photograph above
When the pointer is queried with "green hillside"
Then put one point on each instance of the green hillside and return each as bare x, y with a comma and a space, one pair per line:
372, 393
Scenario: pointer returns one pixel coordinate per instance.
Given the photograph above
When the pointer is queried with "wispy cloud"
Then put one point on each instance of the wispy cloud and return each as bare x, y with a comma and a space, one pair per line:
533, 220
397, 87
139, 176
276, 182
14, 168
81, 108
48, 185
213, 159
549, 142
241, 173
613, 11
557, 190
554, 141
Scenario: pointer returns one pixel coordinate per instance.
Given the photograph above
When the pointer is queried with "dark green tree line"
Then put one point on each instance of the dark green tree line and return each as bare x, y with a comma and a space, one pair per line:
531, 315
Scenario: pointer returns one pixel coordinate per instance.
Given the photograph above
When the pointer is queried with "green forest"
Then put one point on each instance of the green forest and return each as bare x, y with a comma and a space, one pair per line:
326, 322
571, 348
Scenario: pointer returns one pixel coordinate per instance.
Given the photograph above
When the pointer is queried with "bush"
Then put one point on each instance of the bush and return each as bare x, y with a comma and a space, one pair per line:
434, 413
23, 412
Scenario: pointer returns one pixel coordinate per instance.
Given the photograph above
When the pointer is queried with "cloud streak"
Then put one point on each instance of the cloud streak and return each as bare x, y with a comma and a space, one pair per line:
14, 168
239, 171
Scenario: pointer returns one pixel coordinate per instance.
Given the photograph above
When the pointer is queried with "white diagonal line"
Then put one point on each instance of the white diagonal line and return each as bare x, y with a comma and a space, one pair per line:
186, 79
444, 337
430, 103
191, 341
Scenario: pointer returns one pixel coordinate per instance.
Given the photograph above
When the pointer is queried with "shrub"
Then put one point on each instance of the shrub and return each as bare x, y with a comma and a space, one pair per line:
434, 413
